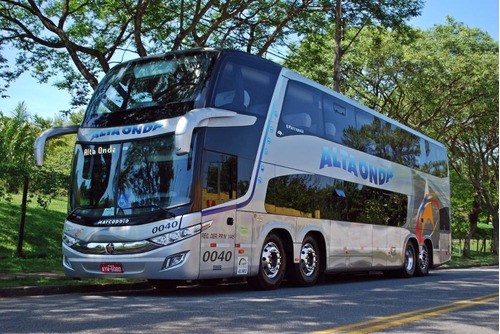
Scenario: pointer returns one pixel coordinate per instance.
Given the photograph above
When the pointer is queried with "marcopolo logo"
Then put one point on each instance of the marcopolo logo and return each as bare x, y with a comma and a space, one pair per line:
128, 130
331, 157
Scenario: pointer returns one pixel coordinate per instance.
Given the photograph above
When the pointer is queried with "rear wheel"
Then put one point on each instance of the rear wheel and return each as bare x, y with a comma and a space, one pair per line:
306, 272
272, 264
409, 261
423, 262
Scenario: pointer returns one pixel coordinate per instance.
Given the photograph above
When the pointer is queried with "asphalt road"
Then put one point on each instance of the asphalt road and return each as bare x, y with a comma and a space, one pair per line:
446, 301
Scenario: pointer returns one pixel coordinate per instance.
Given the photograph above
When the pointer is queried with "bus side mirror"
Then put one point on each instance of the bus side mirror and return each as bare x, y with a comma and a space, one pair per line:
195, 118
47, 134
211, 117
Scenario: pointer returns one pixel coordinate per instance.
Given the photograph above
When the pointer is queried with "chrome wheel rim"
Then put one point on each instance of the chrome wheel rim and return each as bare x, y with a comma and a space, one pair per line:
423, 259
308, 259
271, 260
409, 259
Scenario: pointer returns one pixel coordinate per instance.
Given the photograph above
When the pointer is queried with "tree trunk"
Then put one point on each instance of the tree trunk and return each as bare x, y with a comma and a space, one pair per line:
495, 230
473, 219
338, 47
23, 217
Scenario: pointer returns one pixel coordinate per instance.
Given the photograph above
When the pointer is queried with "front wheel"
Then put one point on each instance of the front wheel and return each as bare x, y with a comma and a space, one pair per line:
306, 272
272, 264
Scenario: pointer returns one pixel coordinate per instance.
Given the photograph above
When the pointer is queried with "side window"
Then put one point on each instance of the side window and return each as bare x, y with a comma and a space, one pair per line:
219, 179
436, 160
377, 137
339, 118
367, 128
405, 148
245, 85
230, 92
302, 111
315, 196
444, 219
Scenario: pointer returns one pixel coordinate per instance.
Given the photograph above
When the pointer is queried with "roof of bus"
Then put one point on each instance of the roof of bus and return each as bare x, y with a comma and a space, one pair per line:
296, 76
202, 50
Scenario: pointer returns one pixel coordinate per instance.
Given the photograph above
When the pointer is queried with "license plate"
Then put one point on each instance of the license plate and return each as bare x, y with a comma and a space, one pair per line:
111, 268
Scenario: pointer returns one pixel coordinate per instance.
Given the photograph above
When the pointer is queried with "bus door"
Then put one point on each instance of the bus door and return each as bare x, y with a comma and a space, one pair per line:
219, 206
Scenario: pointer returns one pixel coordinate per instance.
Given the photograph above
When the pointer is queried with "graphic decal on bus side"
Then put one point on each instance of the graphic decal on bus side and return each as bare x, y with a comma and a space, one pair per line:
331, 157
428, 213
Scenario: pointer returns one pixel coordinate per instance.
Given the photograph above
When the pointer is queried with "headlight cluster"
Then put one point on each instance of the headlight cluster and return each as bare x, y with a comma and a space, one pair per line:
69, 240
172, 237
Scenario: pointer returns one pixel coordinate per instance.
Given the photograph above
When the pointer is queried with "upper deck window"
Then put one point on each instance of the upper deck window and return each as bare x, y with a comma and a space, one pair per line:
245, 84
302, 110
309, 111
150, 89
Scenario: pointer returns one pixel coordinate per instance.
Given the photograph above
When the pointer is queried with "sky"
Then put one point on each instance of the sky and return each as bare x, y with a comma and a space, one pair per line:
47, 101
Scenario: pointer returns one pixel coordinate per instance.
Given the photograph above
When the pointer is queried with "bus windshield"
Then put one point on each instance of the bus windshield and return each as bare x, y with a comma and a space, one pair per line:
130, 178
148, 90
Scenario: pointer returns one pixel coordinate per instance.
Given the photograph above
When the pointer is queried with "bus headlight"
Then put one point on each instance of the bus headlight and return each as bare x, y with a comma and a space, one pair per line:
176, 236
68, 240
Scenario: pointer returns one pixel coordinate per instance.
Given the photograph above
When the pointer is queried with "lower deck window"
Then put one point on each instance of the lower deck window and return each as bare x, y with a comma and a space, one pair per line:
316, 196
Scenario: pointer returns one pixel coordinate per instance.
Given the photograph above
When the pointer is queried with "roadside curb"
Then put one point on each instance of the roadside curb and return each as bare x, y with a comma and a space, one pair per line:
45, 290
24, 291
467, 266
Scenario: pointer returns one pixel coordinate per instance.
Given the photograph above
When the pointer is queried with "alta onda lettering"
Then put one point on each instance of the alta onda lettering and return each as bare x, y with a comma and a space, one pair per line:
128, 130
334, 158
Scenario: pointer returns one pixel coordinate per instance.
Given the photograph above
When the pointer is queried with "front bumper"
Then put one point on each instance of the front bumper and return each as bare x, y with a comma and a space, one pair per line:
153, 264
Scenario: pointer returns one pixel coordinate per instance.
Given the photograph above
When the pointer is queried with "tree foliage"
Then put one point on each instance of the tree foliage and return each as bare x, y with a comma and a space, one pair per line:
17, 135
349, 19
442, 82
445, 84
76, 41
17, 138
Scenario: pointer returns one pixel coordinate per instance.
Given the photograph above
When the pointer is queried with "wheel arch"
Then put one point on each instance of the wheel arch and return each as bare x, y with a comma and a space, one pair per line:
286, 238
430, 249
320, 239
270, 273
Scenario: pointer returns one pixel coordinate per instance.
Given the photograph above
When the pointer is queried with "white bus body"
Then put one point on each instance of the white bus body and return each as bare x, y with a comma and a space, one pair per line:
210, 164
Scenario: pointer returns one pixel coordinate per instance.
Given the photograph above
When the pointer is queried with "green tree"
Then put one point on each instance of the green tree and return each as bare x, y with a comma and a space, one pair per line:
17, 135
17, 172
445, 84
442, 82
461, 202
349, 19
76, 41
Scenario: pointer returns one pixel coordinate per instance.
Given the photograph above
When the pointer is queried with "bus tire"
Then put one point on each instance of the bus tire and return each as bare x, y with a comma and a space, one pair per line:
423, 261
410, 261
272, 264
307, 271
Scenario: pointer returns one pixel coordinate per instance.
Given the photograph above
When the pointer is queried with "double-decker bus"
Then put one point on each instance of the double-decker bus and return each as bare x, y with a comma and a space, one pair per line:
207, 164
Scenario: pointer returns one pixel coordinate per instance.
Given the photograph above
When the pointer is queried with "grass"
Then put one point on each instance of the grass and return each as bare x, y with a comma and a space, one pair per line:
42, 246
42, 236
476, 259
20, 280
42, 250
